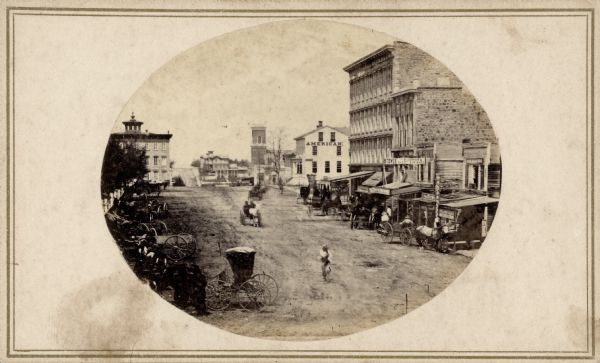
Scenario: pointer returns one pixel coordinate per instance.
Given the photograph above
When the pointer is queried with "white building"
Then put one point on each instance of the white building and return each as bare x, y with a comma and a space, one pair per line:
323, 151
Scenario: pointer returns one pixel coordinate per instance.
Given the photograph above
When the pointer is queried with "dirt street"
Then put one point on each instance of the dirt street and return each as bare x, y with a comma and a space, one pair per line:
369, 278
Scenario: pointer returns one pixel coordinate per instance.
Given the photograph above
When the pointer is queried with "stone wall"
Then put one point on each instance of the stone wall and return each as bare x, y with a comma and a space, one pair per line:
450, 115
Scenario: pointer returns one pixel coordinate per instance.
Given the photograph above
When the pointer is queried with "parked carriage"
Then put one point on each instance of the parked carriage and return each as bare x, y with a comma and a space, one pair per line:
250, 291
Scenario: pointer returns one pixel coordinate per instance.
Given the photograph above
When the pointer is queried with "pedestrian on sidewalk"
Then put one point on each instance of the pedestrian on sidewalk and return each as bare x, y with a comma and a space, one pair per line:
325, 261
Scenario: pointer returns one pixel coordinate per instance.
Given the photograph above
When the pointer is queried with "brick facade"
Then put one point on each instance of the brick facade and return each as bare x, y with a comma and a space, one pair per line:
449, 115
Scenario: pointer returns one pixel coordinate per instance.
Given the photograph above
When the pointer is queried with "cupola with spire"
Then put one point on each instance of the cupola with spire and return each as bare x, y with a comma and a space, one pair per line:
133, 125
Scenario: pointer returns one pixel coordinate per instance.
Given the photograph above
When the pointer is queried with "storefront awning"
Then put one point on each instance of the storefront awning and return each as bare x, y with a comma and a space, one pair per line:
395, 188
376, 179
358, 174
407, 190
470, 202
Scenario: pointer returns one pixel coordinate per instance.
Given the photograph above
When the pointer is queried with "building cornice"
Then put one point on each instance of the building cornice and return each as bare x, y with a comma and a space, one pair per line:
375, 54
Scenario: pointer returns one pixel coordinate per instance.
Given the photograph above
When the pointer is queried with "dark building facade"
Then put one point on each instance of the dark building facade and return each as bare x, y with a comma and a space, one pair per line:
156, 146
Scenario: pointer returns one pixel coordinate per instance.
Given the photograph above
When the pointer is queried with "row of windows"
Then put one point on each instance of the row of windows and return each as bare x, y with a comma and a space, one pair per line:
331, 136
377, 118
371, 150
373, 85
148, 145
338, 150
327, 166
404, 123
163, 161
158, 175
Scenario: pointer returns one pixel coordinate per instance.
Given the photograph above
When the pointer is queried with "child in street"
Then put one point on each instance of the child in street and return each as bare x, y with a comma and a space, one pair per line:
325, 262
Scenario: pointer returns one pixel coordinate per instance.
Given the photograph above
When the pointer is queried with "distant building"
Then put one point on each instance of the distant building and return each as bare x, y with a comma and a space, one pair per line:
258, 153
323, 152
215, 167
156, 146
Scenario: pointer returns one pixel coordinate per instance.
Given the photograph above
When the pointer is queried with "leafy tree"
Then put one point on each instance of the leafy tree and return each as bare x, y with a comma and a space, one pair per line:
122, 165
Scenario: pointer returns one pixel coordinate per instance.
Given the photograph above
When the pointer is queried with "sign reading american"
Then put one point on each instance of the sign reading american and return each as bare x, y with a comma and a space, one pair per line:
323, 143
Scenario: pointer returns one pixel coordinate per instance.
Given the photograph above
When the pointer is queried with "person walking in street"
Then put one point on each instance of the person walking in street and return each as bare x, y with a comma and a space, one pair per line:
325, 255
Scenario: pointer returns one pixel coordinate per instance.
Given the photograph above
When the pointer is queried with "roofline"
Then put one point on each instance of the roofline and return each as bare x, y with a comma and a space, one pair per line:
322, 127
386, 47
139, 135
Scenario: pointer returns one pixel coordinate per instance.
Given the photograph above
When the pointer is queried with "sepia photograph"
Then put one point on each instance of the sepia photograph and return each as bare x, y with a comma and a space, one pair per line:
327, 181
311, 181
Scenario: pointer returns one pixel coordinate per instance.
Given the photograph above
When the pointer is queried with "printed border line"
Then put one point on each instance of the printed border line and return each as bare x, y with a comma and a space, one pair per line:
331, 10
301, 16
8, 182
10, 56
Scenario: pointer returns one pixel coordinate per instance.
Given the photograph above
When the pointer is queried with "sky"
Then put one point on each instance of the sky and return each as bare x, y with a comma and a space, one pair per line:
284, 75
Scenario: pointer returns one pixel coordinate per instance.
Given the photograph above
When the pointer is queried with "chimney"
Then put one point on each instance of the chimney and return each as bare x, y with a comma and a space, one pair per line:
320, 124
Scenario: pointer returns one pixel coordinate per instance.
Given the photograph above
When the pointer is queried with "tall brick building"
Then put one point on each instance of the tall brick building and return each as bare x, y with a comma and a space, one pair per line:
156, 146
403, 102
413, 123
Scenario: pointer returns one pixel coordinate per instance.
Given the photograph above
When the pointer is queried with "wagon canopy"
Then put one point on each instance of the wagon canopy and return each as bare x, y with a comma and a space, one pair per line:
241, 260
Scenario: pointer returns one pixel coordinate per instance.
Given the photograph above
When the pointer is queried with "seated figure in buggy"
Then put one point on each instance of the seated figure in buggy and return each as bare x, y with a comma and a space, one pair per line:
251, 211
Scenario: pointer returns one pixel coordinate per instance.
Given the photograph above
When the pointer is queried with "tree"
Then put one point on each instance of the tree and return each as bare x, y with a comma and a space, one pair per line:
277, 138
121, 165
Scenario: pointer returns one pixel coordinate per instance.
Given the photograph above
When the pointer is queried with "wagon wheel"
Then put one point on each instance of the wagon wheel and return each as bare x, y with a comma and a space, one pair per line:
178, 247
165, 230
451, 246
269, 283
442, 245
387, 232
406, 236
253, 295
218, 295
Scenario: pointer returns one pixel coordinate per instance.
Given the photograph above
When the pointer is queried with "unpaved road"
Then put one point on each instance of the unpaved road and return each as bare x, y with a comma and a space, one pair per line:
368, 282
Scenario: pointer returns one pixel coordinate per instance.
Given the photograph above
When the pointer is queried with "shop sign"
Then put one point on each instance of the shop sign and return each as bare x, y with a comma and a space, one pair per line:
445, 213
362, 189
405, 161
323, 143
474, 161
377, 190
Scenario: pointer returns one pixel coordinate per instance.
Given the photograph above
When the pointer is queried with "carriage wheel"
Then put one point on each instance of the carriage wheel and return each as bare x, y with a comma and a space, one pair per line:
270, 284
405, 236
442, 245
178, 247
253, 295
451, 246
165, 230
218, 295
387, 232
